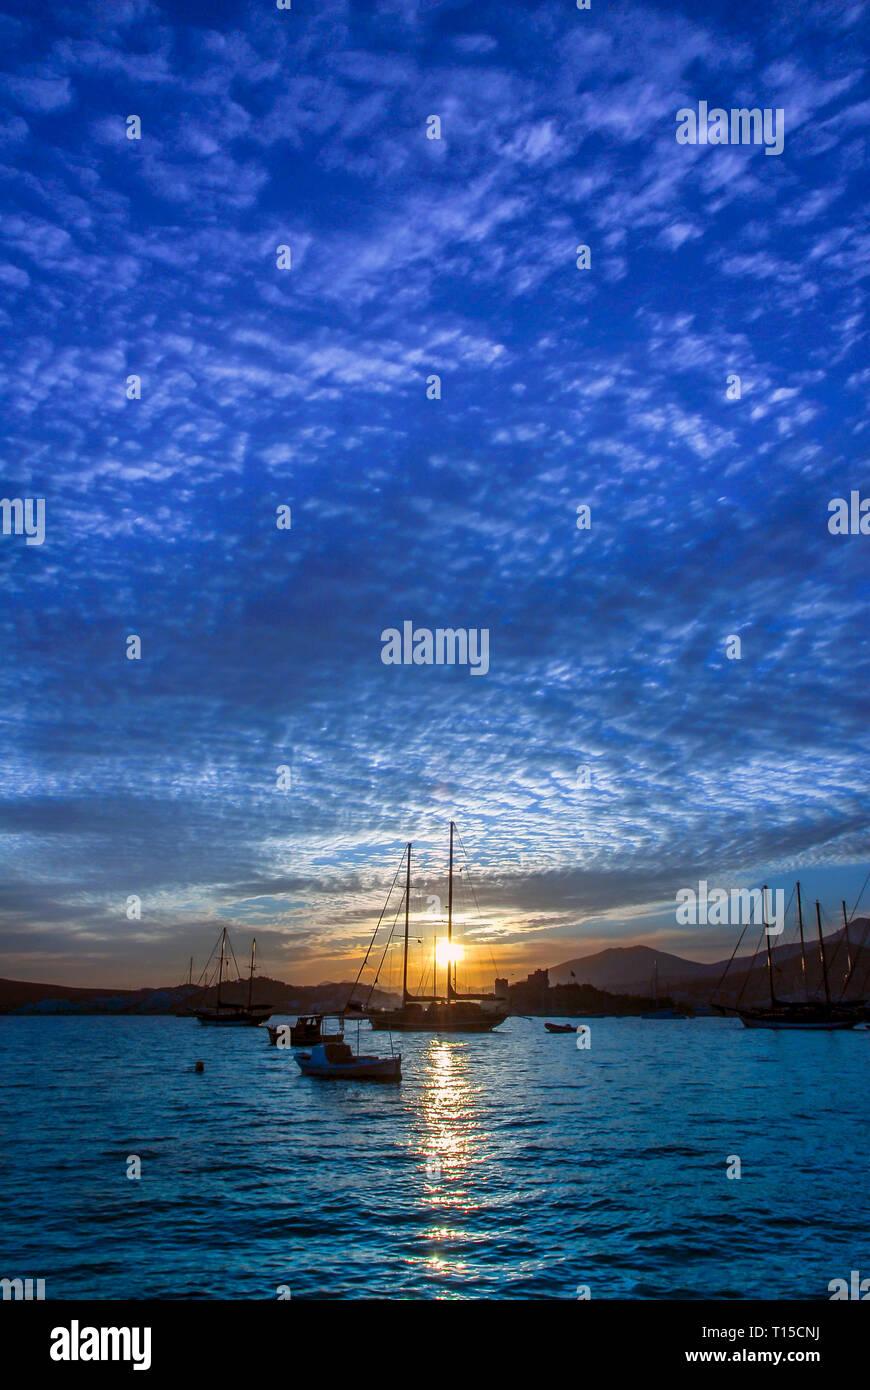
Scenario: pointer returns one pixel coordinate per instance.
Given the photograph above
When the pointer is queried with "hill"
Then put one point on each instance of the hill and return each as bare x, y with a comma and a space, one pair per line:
629, 969
29, 997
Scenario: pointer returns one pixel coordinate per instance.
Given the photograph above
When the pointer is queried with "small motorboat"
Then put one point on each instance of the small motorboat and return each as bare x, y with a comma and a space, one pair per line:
560, 1027
336, 1061
305, 1032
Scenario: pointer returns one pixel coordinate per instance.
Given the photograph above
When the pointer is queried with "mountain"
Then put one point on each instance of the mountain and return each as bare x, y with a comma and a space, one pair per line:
618, 970
28, 997
629, 969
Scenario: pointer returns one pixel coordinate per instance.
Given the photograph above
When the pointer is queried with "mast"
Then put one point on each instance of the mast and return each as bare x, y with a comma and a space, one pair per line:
451, 989
190, 972
822, 953
407, 910
801, 929
767, 942
251, 976
221, 967
846, 934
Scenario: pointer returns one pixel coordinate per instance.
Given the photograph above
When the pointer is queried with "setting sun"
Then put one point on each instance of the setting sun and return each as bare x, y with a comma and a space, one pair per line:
448, 952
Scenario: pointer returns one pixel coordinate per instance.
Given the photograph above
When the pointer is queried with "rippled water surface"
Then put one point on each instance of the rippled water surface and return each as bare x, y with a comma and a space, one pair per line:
510, 1165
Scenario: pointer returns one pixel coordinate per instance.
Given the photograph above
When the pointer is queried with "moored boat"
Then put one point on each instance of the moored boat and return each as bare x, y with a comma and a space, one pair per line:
336, 1061
661, 1011
818, 1015
305, 1032
560, 1027
451, 1012
232, 1015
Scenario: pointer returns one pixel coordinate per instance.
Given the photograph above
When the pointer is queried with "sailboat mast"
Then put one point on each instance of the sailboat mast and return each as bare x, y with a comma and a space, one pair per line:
822, 953
801, 930
848, 943
407, 910
767, 941
251, 976
450, 988
221, 966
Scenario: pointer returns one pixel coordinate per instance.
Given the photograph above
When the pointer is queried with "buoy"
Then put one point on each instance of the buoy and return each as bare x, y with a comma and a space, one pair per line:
200, 1066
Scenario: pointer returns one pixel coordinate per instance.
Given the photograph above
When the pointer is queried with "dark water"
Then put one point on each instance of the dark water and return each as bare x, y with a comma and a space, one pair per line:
558, 1167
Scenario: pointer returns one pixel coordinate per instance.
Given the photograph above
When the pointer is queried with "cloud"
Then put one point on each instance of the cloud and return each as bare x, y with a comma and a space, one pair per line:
307, 388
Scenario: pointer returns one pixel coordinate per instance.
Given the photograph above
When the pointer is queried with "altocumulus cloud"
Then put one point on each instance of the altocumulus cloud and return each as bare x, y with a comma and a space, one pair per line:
414, 258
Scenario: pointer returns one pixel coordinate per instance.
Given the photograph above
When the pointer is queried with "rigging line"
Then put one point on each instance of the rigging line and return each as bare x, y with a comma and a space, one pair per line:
468, 878
202, 982
752, 966
375, 932
473, 891
233, 954
754, 954
721, 979
469, 882
386, 948
836, 951
204, 971
859, 897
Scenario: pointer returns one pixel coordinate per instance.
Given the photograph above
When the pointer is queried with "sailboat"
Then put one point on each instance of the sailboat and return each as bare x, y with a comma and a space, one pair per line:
662, 1011
234, 1015
450, 1012
807, 1013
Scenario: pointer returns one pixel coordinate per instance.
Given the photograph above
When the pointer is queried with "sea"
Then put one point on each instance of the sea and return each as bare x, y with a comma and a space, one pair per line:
667, 1159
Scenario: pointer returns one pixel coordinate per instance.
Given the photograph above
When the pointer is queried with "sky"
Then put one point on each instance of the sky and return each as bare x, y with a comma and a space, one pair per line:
616, 750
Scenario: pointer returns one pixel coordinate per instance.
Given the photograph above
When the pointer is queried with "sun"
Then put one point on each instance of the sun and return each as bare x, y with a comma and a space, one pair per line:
448, 952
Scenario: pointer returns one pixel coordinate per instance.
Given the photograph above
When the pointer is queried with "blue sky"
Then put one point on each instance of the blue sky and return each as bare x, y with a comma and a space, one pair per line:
306, 387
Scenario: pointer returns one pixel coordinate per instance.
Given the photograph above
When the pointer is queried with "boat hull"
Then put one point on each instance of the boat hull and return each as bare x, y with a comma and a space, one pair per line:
838, 1025
359, 1069
291, 1037
437, 1018
242, 1019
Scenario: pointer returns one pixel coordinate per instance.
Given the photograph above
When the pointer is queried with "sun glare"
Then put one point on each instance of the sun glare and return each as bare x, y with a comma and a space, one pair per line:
448, 951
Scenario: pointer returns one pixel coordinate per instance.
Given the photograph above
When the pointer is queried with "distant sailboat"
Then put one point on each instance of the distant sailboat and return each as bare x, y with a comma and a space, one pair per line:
816, 1014
451, 1012
661, 1011
234, 1015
